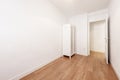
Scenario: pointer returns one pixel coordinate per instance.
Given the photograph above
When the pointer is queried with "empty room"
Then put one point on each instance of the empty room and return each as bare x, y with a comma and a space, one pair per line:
59, 40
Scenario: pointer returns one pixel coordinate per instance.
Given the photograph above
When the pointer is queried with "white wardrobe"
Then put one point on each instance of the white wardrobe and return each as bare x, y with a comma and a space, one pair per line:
68, 40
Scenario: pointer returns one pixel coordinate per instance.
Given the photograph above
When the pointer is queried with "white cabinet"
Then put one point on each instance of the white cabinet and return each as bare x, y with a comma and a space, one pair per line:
68, 40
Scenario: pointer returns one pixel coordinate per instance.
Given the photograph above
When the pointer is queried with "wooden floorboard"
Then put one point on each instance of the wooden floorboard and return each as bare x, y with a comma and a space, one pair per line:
91, 67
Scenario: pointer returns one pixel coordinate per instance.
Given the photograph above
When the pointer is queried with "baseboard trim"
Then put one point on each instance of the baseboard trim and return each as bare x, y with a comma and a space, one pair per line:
116, 71
25, 73
82, 54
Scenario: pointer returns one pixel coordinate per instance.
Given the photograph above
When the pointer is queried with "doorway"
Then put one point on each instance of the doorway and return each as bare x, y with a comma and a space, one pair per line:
98, 39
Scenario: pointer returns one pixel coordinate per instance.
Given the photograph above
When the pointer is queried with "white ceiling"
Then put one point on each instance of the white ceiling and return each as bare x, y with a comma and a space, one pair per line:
74, 7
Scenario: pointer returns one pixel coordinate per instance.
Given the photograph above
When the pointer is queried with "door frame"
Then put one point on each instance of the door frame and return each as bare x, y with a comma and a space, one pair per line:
106, 36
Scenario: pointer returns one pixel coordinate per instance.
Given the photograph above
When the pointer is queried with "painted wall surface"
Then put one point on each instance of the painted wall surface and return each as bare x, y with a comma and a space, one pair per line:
30, 36
98, 15
115, 35
97, 36
80, 24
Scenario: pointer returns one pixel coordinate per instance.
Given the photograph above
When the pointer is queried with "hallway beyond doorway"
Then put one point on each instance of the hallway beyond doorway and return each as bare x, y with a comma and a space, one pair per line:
98, 55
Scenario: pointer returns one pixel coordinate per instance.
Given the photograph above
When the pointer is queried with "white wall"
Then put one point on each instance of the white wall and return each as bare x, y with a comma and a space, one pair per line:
97, 36
30, 36
98, 15
115, 34
80, 24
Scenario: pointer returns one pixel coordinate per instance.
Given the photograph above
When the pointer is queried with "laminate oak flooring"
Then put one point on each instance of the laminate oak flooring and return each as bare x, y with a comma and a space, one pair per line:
91, 67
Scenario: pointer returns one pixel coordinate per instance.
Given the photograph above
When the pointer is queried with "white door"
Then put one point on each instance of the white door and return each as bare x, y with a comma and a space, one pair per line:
106, 40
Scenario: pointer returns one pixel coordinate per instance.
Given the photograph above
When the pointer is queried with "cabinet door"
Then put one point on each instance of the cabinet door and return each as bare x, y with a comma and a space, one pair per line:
67, 40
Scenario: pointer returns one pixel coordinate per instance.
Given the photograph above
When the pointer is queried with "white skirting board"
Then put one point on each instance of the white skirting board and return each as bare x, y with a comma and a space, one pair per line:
82, 54
25, 73
116, 71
